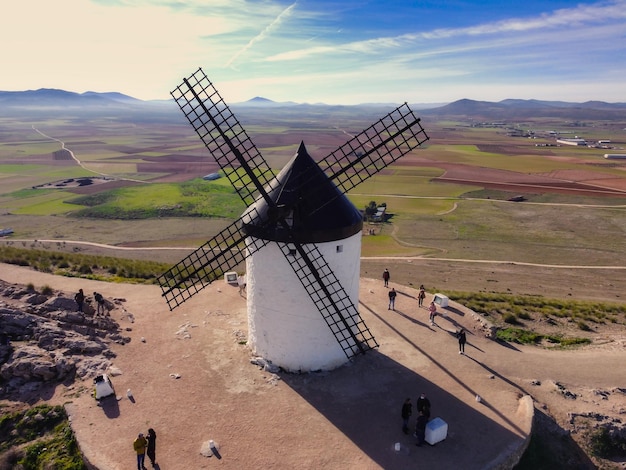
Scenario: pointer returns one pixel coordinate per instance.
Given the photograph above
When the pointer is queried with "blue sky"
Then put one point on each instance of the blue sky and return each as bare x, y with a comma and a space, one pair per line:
335, 52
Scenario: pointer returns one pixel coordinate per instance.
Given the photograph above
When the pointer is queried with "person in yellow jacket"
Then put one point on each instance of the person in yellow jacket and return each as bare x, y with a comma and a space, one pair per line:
140, 445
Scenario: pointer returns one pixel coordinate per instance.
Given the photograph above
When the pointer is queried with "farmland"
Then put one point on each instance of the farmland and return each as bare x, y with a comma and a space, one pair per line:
502, 224
449, 199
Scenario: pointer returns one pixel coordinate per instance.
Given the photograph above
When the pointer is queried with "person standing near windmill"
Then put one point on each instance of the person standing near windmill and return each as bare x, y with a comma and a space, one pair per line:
432, 310
241, 282
386, 277
421, 296
462, 340
140, 445
423, 405
392, 299
407, 411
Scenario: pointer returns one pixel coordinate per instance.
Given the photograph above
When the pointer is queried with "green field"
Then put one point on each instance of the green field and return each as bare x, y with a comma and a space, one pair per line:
426, 217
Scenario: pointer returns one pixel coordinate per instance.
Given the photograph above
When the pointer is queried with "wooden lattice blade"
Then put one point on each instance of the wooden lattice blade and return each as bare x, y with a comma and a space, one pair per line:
330, 298
377, 147
222, 253
224, 137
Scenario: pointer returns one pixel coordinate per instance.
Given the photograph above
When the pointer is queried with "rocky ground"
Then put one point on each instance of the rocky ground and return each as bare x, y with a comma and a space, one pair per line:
193, 379
45, 341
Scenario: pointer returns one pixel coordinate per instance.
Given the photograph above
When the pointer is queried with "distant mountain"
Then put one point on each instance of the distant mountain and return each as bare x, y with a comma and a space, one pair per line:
113, 95
48, 103
50, 97
55, 101
260, 102
520, 109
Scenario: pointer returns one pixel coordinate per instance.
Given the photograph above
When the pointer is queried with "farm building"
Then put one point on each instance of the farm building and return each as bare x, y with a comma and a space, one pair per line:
572, 141
615, 156
379, 216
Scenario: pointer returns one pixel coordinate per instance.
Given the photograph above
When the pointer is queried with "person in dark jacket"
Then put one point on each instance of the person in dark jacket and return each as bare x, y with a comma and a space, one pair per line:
386, 277
423, 405
151, 438
392, 299
80, 299
100, 306
462, 339
407, 411
420, 428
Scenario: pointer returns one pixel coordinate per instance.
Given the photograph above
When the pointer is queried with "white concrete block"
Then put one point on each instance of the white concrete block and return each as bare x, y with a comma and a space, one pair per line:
436, 431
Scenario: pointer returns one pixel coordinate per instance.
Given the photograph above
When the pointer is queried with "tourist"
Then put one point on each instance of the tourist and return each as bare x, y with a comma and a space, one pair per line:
423, 405
432, 309
462, 339
407, 411
386, 277
139, 445
420, 428
421, 296
392, 299
151, 446
99, 303
80, 299
241, 282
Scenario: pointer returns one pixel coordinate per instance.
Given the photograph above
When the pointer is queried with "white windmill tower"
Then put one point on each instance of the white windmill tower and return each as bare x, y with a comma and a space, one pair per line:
284, 323
300, 236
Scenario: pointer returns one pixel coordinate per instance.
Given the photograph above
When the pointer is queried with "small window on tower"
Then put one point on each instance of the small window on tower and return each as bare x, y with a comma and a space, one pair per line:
339, 248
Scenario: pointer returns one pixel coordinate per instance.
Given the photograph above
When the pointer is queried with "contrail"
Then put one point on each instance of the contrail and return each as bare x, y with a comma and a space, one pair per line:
263, 33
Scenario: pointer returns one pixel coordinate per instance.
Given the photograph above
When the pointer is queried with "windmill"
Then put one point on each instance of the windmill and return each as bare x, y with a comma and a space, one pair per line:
300, 236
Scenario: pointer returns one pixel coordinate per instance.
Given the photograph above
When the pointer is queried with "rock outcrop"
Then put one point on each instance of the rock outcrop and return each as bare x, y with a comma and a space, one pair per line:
44, 341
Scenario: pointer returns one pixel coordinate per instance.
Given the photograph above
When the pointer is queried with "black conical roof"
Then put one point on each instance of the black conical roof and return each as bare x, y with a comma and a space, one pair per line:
314, 209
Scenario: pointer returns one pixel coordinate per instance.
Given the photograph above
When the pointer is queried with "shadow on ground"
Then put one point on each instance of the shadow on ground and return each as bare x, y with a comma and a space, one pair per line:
363, 400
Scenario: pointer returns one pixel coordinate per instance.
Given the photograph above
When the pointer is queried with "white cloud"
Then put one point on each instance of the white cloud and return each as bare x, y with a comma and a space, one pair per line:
564, 19
263, 34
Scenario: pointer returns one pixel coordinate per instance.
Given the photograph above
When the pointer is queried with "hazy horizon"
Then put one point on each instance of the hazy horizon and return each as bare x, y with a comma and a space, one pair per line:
261, 99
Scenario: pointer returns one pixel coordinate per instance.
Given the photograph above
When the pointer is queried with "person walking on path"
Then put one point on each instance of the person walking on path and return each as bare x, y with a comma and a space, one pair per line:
407, 411
462, 339
421, 296
432, 313
423, 405
392, 299
139, 445
80, 299
151, 450
386, 277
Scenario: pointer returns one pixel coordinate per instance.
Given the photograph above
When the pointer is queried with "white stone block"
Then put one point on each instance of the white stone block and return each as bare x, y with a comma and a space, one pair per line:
436, 431
441, 300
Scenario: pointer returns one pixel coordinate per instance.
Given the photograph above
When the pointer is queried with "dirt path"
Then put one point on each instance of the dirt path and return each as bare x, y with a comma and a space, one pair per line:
347, 418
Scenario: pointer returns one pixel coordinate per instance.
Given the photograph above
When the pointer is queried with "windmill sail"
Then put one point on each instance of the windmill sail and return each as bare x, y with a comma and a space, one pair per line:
223, 136
222, 253
377, 147
331, 299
